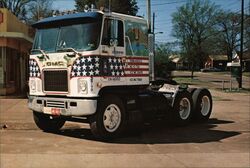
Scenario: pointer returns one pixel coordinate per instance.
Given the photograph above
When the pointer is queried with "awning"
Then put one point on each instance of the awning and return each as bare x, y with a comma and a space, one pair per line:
16, 35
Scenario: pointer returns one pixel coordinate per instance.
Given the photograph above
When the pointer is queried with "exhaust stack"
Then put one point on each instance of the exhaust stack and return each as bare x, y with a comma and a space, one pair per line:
151, 44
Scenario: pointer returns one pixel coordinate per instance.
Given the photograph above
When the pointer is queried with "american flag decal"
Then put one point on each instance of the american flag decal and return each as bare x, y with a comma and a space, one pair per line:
137, 66
34, 70
97, 66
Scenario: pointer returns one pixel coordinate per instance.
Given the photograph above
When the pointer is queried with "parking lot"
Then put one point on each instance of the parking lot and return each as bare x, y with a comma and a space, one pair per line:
222, 142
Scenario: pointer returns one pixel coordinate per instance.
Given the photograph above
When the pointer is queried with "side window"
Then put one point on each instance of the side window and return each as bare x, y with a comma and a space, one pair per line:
136, 38
113, 31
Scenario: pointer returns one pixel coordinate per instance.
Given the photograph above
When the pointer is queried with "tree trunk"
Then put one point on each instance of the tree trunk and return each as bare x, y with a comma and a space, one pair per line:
192, 71
229, 55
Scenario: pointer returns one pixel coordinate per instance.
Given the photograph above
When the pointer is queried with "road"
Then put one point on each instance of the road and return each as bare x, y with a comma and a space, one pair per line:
222, 142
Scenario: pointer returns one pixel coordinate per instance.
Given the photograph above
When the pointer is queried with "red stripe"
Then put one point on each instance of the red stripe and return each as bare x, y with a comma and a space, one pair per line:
125, 75
140, 58
136, 75
137, 63
136, 69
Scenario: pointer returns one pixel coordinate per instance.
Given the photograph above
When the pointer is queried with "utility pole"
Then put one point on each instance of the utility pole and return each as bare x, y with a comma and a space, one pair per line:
109, 5
149, 15
153, 59
241, 42
38, 10
150, 44
153, 22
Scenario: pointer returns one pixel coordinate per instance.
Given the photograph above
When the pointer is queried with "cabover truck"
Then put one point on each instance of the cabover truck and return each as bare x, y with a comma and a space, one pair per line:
97, 67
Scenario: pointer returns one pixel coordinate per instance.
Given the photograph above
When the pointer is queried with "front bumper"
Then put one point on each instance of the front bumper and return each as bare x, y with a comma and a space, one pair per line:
63, 106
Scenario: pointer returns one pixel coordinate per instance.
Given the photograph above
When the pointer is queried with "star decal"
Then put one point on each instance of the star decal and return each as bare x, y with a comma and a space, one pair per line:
97, 66
34, 70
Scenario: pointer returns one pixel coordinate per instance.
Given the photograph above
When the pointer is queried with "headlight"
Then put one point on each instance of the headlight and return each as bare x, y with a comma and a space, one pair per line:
32, 85
82, 86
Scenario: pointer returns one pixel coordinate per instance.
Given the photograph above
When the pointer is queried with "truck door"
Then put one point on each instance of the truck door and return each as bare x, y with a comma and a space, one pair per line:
112, 46
113, 37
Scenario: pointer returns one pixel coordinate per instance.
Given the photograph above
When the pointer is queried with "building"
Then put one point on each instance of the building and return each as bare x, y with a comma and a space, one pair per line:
181, 63
216, 61
15, 44
220, 61
246, 61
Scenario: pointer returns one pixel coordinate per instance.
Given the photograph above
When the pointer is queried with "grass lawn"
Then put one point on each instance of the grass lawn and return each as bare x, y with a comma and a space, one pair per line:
247, 74
188, 81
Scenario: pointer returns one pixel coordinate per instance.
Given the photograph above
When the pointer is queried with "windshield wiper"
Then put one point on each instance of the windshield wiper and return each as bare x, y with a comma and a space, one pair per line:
44, 55
69, 50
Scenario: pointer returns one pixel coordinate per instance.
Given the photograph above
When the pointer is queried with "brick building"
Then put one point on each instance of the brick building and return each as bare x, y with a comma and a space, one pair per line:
15, 43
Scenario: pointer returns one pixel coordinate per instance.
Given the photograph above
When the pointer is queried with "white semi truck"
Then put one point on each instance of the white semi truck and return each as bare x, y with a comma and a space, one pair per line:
97, 67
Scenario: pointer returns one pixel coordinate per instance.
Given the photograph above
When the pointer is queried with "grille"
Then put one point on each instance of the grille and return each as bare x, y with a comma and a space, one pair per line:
53, 103
56, 81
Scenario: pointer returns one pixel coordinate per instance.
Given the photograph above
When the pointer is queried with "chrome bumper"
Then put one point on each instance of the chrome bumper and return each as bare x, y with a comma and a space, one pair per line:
65, 106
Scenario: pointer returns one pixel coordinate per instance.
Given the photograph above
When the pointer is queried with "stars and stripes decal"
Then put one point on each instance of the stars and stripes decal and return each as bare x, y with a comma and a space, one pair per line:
137, 66
34, 70
97, 66
102, 66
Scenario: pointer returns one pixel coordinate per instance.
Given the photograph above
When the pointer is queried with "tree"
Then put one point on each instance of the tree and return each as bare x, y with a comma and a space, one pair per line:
17, 7
39, 9
229, 28
122, 6
194, 26
80, 4
163, 64
247, 28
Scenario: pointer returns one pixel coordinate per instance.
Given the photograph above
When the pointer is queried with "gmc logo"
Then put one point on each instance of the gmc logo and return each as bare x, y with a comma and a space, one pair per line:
58, 63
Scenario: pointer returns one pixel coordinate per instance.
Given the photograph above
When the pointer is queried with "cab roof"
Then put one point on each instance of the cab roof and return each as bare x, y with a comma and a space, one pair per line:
82, 17
67, 19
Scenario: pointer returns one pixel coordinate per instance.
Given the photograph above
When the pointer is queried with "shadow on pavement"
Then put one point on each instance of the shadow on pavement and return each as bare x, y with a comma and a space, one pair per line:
161, 133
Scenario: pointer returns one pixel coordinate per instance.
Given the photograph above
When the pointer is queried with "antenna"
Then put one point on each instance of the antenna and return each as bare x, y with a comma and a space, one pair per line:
149, 15
109, 6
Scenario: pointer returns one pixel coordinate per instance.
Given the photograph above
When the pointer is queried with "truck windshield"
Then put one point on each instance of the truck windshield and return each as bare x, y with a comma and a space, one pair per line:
81, 37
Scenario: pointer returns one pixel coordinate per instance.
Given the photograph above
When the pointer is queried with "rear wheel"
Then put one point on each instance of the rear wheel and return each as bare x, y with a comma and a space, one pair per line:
182, 108
191, 90
46, 123
202, 104
109, 120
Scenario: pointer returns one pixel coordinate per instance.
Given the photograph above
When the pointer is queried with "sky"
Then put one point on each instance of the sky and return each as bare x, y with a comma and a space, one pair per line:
163, 10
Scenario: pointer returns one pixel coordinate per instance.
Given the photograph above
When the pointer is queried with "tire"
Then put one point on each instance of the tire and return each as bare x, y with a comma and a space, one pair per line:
46, 124
191, 90
182, 108
109, 120
203, 104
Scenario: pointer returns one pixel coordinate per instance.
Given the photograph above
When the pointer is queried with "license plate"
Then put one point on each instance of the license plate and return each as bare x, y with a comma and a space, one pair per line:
52, 110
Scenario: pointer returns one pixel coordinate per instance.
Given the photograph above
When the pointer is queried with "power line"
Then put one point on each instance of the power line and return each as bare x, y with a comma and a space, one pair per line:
166, 3
239, 10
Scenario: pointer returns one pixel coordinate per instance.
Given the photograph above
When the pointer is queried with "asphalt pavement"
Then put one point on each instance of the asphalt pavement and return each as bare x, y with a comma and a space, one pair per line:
224, 141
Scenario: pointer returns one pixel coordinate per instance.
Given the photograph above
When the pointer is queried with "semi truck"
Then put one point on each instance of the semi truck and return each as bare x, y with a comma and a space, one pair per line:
97, 67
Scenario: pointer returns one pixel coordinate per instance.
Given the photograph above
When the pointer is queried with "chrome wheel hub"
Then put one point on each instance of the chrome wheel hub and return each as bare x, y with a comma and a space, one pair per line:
112, 118
205, 105
184, 108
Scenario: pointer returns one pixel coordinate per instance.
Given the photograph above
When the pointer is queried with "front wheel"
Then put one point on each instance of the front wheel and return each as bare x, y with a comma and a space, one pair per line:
109, 120
182, 108
45, 123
